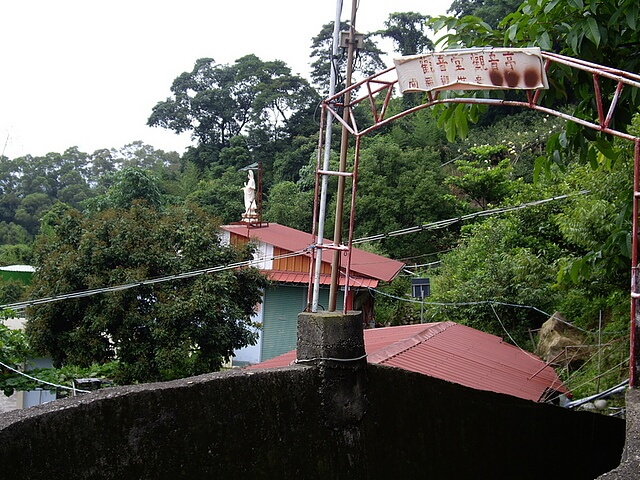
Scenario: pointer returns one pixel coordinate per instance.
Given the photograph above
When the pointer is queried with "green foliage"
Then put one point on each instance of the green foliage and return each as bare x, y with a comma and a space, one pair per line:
158, 331
15, 254
400, 188
607, 319
12, 234
503, 259
524, 134
132, 184
31, 208
221, 196
64, 376
14, 349
597, 227
13, 345
218, 102
407, 30
484, 175
491, 11
602, 32
288, 206
288, 163
12, 291
570, 256
390, 311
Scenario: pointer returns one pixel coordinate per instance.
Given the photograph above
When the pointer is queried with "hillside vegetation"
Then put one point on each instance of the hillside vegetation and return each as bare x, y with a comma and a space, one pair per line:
74, 215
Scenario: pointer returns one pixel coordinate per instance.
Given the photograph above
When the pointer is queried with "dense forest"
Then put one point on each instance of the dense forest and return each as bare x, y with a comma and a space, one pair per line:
503, 273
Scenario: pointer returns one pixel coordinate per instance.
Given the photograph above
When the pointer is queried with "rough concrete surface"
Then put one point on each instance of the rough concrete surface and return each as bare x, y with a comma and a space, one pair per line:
7, 403
337, 419
273, 424
629, 468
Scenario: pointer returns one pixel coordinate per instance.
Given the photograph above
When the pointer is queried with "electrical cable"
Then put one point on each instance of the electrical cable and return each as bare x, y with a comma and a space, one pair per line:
43, 381
586, 382
116, 288
254, 262
308, 360
445, 223
509, 335
185, 275
584, 365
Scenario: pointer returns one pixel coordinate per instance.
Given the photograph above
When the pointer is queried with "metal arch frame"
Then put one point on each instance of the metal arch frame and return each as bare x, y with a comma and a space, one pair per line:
384, 81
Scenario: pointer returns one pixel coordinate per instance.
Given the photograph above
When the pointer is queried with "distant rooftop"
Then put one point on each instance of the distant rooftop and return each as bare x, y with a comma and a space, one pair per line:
363, 263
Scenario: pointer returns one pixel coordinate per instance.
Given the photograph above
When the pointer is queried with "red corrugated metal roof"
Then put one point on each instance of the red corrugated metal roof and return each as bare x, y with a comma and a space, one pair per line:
303, 278
458, 354
362, 263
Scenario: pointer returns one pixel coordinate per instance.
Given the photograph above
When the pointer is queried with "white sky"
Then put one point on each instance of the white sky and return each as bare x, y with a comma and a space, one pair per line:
87, 73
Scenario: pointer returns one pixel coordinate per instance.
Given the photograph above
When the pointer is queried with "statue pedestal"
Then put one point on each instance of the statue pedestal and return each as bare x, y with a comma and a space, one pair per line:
250, 217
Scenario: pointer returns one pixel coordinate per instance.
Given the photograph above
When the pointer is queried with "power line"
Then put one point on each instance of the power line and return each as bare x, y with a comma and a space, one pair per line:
117, 288
445, 223
43, 381
255, 262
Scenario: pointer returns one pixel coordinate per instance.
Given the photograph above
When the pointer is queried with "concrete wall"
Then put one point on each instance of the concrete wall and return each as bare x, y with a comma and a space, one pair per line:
274, 424
447, 431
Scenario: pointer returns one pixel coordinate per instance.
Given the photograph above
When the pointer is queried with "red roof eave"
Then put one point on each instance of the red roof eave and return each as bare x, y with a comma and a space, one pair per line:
303, 278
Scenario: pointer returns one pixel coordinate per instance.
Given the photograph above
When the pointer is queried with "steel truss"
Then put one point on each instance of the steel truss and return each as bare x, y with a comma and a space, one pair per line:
378, 89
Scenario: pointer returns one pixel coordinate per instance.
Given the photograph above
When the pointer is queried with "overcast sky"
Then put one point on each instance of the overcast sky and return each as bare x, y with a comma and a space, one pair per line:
87, 73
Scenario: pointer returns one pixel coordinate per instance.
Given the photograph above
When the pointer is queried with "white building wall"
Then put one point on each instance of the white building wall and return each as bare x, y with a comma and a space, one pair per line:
251, 353
264, 261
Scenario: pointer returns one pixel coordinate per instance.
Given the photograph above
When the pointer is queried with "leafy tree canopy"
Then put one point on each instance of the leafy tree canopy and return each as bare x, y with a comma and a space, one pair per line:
490, 11
368, 59
217, 102
408, 32
160, 331
605, 32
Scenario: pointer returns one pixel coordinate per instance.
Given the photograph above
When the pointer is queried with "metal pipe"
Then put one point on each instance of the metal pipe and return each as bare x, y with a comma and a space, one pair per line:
351, 221
325, 165
633, 324
344, 148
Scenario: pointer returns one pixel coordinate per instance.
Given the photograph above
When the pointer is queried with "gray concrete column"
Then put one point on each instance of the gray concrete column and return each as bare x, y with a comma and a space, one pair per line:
331, 335
334, 343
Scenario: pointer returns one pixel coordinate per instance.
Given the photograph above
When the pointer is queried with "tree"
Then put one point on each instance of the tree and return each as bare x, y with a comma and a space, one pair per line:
289, 206
368, 62
158, 331
288, 163
217, 102
134, 183
510, 259
13, 352
604, 32
221, 196
16, 254
407, 30
141, 155
485, 175
400, 188
490, 11
31, 209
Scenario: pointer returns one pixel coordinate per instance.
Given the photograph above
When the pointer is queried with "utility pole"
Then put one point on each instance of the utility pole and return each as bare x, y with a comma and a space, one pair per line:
322, 212
344, 148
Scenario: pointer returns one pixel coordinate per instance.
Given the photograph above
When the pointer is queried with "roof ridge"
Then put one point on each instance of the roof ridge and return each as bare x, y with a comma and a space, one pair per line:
396, 348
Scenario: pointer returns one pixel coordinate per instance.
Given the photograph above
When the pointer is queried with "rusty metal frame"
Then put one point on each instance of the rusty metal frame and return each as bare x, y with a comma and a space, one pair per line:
378, 91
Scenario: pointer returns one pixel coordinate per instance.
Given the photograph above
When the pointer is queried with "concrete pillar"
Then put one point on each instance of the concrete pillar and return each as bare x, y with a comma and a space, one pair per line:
331, 335
334, 343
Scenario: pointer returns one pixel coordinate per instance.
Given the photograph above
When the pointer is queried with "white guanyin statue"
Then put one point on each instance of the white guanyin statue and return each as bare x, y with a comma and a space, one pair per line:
249, 189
